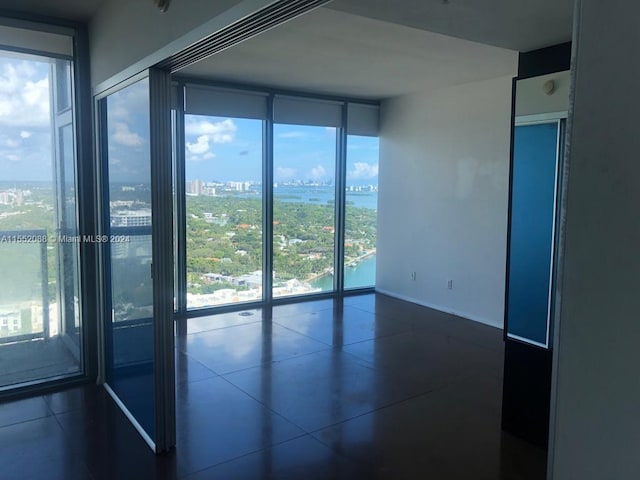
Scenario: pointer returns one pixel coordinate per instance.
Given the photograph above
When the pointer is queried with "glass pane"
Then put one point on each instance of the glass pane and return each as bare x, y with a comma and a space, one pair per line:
130, 330
535, 155
68, 239
361, 212
176, 242
223, 188
303, 209
63, 85
39, 286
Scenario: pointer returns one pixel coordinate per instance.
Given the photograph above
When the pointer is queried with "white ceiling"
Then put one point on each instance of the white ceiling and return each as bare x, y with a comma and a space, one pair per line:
516, 24
78, 10
520, 25
331, 52
374, 48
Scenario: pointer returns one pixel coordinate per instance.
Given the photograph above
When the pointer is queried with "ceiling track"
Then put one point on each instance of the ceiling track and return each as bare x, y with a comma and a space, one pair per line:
260, 21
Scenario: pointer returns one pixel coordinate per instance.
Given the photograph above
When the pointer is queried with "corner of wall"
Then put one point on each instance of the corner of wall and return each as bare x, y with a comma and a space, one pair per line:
444, 170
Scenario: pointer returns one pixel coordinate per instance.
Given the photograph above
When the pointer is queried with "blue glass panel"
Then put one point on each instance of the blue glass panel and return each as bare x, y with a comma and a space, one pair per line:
129, 332
531, 238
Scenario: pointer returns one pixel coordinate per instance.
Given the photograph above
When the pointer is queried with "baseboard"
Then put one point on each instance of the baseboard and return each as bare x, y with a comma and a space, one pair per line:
440, 308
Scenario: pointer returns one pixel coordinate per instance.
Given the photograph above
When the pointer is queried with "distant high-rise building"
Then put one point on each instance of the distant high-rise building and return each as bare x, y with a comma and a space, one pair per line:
131, 218
194, 187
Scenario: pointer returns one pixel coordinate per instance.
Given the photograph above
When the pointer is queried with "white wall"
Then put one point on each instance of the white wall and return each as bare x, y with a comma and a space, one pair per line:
531, 98
444, 169
596, 427
124, 32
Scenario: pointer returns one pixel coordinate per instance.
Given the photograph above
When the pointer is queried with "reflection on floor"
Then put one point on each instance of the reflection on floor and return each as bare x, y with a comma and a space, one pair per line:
35, 360
370, 388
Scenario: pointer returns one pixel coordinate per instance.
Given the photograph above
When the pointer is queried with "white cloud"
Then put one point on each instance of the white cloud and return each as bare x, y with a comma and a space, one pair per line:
25, 123
363, 170
207, 133
11, 143
285, 173
125, 104
201, 146
318, 172
294, 134
200, 150
24, 94
12, 157
216, 132
13, 74
125, 137
37, 94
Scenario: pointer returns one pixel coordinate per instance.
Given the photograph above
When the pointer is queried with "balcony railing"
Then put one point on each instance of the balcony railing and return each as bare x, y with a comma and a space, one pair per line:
19, 283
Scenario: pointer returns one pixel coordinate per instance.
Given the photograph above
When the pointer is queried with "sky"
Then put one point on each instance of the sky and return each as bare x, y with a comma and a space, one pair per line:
128, 133
217, 148
226, 149
25, 125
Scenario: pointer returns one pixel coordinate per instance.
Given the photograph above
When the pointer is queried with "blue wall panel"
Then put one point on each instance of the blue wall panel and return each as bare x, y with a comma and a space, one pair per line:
531, 238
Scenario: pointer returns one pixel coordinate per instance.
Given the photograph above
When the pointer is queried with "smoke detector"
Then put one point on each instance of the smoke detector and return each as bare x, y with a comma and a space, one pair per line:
163, 5
549, 87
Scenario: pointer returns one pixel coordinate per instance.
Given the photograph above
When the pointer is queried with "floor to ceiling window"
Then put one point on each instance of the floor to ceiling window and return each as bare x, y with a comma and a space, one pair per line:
361, 212
223, 186
40, 301
223, 133
305, 148
361, 199
304, 159
263, 207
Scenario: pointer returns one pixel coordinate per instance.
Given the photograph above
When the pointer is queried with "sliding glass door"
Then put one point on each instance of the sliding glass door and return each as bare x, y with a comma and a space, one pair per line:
130, 353
137, 247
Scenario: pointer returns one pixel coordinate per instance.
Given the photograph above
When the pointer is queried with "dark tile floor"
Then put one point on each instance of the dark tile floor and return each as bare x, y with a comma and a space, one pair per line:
371, 387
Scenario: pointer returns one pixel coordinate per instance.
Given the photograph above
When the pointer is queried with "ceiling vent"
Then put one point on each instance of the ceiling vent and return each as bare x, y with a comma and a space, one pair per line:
262, 20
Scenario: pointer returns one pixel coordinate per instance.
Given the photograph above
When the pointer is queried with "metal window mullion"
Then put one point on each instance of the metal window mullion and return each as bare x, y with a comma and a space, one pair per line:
340, 203
181, 203
162, 257
103, 256
45, 290
262, 16
57, 164
267, 205
87, 181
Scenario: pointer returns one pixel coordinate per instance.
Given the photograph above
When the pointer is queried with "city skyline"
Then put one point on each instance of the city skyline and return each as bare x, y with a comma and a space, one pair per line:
224, 149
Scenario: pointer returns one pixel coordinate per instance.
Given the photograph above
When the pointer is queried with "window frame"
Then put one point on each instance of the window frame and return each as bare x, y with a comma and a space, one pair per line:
81, 110
342, 133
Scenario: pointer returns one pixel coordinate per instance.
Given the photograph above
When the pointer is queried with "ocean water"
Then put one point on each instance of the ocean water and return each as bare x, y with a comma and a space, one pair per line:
324, 195
361, 275
319, 195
